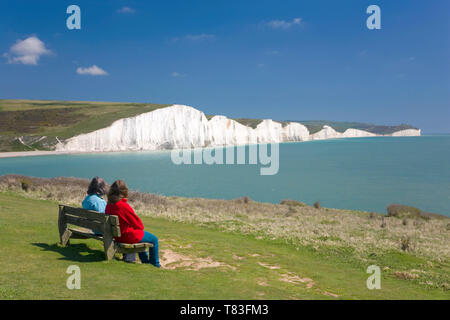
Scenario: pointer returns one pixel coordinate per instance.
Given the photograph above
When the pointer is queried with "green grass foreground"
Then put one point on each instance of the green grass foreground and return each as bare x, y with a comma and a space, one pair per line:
238, 266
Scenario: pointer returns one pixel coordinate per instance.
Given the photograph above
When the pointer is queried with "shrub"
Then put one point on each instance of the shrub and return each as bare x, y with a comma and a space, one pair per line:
291, 211
317, 205
372, 215
405, 275
405, 222
383, 223
25, 184
243, 200
405, 243
402, 211
293, 203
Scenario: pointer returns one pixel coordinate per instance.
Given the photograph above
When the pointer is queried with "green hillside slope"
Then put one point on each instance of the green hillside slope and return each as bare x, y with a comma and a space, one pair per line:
198, 263
40, 122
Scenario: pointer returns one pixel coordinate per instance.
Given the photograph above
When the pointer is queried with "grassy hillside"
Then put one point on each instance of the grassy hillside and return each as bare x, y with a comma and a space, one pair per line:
217, 249
35, 119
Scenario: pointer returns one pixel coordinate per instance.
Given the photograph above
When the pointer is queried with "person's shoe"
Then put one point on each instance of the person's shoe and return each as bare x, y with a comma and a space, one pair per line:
129, 257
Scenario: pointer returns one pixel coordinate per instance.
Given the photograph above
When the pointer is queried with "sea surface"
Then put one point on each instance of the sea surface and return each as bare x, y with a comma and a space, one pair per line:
354, 173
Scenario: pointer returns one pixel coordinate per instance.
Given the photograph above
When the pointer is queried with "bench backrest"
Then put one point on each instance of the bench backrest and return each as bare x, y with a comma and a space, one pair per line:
106, 224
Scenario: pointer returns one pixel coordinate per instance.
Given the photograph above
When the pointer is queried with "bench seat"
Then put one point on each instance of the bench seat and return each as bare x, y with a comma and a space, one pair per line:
88, 220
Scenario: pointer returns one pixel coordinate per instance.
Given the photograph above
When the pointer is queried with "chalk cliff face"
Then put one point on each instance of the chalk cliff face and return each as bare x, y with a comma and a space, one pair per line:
226, 131
327, 132
179, 126
407, 132
168, 128
354, 133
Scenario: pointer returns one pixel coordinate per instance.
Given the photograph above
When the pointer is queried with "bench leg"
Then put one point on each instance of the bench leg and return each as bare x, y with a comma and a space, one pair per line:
64, 233
109, 247
108, 242
65, 237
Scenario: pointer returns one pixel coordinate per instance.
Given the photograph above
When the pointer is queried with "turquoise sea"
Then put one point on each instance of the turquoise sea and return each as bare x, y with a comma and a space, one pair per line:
355, 173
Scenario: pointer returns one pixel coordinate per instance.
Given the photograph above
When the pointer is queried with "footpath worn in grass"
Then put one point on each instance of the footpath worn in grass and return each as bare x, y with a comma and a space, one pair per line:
199, 263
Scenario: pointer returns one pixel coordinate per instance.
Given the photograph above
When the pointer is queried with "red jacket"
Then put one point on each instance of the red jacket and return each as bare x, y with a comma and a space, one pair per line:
131, 227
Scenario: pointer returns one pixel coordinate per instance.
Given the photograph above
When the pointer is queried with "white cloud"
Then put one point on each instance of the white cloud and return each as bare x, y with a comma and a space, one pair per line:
93, 71
27, 51
178, 75
272, 52
126, 10
200, 37
195, 38
283, 24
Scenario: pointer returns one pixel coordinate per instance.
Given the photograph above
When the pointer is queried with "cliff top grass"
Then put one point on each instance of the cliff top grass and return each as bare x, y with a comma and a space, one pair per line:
222, 249
64, 119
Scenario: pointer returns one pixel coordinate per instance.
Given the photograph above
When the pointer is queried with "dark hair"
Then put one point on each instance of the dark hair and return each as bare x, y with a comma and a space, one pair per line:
97, 186
118, 190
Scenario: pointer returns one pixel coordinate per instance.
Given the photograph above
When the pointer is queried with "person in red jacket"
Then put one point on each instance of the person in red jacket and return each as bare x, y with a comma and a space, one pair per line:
131, 227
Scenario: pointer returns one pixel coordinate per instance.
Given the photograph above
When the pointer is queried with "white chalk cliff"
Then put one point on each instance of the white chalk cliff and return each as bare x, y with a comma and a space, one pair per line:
406, 133
179, 126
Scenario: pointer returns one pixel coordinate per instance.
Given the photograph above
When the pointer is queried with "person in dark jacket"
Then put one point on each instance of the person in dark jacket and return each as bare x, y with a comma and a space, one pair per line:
131, 227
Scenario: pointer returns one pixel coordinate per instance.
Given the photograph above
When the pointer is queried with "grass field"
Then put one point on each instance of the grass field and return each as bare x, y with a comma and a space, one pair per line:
204, 260
39, 122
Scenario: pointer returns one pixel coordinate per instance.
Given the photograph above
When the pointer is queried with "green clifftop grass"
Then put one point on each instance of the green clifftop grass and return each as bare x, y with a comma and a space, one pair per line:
35, 119
248, 250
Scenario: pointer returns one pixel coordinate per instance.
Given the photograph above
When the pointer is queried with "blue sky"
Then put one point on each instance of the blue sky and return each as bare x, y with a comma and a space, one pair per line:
296, 60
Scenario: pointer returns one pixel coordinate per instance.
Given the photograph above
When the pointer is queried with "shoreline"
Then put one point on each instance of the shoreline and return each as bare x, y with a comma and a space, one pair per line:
21, 154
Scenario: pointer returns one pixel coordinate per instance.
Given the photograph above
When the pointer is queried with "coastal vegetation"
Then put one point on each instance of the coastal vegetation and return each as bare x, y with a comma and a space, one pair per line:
37, 124
278, 251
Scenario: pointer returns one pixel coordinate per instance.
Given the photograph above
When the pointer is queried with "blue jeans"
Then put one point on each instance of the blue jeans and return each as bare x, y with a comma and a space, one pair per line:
154, 257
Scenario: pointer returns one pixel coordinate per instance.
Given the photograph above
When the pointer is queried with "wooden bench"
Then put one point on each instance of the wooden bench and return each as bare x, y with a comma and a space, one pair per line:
89, 220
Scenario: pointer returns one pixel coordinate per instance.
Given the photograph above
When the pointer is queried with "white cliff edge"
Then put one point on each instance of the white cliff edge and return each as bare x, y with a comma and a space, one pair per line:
406, 133
179, 126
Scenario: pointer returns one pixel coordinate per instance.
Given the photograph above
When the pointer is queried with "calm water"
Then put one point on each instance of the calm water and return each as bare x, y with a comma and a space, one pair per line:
356, 173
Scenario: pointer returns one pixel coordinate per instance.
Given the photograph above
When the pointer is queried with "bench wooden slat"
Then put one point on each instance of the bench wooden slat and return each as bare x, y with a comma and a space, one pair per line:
84, 234
86, 214
134, 245
132, 248
85, 223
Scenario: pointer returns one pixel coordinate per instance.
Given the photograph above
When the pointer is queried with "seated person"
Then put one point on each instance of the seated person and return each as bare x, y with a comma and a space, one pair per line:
95, 202
131, 227
95, 192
